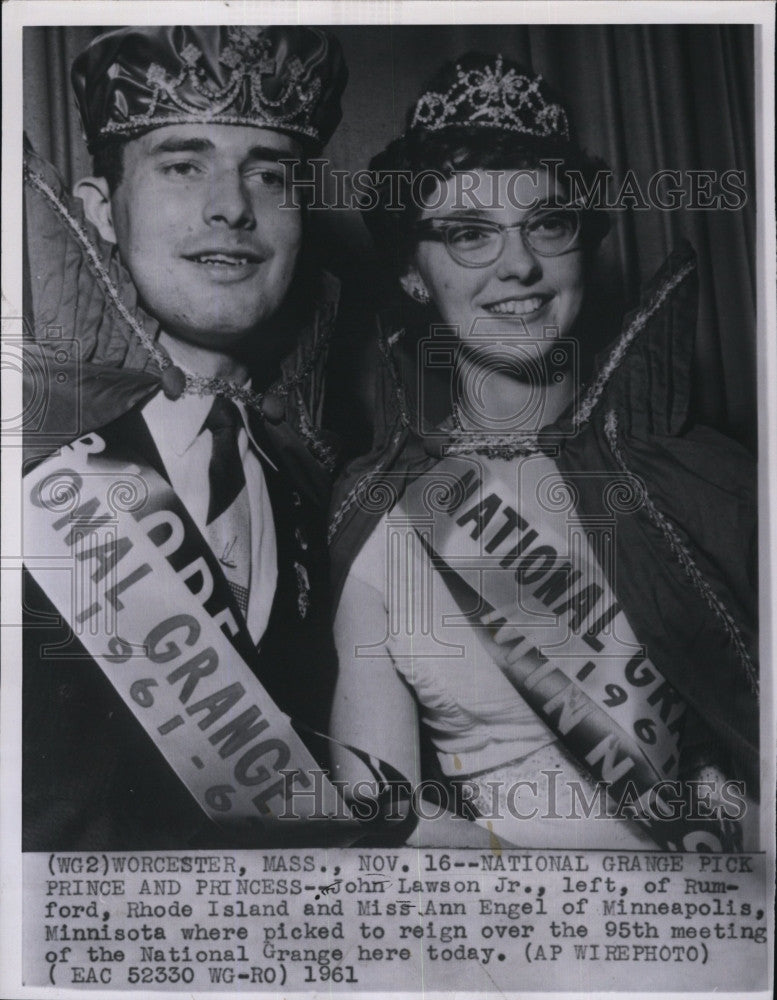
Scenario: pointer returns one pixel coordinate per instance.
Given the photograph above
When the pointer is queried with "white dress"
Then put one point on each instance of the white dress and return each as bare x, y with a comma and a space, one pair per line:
479, 724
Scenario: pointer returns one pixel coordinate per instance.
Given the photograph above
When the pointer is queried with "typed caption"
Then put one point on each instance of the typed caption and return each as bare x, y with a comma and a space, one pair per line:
467, 919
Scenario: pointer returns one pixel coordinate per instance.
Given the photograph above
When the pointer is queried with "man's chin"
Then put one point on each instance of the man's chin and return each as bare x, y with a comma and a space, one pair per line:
215, 339
233, 341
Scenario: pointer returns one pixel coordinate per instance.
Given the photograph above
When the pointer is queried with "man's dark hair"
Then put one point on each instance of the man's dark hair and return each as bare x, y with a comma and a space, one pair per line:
108, 162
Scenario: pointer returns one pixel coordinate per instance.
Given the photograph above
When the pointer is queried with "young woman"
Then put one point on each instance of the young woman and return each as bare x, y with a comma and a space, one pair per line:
545, 613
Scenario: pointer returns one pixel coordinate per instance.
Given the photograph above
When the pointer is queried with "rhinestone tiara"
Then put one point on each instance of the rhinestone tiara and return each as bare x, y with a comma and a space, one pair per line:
487, 96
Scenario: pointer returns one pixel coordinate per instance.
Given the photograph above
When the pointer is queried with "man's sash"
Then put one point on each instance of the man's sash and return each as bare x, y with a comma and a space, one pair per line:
538, 586
120, 558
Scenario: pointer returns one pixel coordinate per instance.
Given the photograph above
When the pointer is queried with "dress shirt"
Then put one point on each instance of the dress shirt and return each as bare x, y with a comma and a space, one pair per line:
185, 448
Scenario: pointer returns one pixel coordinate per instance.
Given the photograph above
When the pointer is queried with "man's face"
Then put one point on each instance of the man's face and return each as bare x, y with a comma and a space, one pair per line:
199, 226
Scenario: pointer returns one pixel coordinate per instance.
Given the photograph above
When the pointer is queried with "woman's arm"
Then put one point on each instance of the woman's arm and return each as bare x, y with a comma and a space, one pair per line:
375, 711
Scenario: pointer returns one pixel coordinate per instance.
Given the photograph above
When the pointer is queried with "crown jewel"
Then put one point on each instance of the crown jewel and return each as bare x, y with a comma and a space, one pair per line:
490, 97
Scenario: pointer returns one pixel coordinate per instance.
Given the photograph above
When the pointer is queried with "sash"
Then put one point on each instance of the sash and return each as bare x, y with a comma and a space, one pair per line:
538, 585
122, 561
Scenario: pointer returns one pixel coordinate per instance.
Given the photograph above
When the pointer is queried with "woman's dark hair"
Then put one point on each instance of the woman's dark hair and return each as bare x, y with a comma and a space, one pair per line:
407, 171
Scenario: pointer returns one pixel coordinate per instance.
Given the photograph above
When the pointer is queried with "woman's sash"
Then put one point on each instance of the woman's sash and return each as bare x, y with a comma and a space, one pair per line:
538, 583
122, 561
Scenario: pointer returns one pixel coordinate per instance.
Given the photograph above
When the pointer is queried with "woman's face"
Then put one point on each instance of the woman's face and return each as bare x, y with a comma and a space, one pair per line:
535, 297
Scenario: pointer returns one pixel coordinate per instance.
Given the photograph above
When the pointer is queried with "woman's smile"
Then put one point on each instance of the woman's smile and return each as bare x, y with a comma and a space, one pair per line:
518, 306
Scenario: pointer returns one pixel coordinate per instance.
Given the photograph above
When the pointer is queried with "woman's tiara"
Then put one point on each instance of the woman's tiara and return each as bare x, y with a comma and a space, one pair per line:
488, 96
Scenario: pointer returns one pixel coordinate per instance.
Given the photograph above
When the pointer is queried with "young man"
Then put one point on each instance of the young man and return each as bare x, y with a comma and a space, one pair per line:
193, 611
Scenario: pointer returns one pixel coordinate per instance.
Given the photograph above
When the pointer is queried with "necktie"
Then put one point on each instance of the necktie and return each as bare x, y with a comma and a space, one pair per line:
228, 527
225, 472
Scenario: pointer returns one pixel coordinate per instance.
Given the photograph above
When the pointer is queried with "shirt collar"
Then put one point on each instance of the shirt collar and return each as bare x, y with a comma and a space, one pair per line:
179, 422
247, 424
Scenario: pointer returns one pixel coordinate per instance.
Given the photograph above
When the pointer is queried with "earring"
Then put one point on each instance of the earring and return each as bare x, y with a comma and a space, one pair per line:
421, 295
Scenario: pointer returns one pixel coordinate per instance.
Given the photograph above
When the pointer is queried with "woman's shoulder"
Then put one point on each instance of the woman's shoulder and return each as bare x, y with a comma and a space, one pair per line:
368, 488
645, 373
640, 403
371, 484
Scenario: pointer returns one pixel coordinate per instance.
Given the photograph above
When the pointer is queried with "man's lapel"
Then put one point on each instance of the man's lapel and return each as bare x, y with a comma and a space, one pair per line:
129, 439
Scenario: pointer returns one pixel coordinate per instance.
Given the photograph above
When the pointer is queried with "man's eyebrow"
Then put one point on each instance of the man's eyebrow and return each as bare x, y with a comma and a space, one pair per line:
183, 145
270, 153
197, 145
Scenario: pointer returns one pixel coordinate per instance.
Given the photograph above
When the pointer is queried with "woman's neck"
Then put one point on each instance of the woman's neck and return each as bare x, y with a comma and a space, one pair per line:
495, 401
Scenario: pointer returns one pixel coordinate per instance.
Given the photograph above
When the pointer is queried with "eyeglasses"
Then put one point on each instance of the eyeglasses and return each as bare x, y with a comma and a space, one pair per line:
478, 243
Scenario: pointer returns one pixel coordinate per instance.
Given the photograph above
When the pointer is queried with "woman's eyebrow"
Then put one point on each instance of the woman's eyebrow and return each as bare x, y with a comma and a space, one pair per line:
486, 214
464, 213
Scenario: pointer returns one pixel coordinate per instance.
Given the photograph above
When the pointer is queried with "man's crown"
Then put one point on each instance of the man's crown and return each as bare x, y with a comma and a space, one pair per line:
136, 79
487, 96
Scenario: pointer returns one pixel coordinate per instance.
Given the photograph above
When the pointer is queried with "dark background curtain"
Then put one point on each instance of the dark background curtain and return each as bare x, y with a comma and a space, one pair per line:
645, 98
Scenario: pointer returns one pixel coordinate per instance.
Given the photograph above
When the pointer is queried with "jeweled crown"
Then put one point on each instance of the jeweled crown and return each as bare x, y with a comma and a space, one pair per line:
486, 93
289, 79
